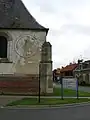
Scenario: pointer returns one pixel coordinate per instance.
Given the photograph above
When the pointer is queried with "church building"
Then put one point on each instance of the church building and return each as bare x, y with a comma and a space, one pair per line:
22, 49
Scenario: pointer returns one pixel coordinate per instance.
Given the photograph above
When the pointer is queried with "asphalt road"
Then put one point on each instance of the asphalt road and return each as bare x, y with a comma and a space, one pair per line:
81, 88
72, 113
85, 89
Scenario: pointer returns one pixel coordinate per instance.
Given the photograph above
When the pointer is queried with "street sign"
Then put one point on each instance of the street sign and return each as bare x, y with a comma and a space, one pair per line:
69, 83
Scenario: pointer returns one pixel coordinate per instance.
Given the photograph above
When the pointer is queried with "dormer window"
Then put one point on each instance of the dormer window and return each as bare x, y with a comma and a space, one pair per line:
80, 66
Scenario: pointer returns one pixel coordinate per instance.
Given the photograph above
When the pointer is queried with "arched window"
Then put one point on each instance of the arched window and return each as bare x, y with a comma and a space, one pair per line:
3, 47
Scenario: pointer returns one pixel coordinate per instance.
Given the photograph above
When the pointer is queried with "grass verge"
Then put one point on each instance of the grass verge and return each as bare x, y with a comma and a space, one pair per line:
69, 92
47, 101
57, 92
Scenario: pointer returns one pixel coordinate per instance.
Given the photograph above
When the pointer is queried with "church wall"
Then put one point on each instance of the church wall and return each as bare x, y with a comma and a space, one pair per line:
17, 53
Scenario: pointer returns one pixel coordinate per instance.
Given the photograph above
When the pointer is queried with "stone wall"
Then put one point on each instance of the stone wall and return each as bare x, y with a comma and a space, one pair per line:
46, 75
27, 64
21, 61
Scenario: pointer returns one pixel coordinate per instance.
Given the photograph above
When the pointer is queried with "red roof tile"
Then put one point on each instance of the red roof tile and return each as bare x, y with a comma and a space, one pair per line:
69, 67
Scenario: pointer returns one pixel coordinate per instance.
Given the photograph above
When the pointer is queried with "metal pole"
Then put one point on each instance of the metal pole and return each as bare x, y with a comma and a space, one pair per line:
39, 85
61, 87
77, 89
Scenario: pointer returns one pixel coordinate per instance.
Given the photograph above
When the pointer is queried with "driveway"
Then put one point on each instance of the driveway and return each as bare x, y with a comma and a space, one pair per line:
68, 113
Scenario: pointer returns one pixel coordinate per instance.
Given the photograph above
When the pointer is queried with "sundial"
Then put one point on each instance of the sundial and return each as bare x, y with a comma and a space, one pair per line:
27, 45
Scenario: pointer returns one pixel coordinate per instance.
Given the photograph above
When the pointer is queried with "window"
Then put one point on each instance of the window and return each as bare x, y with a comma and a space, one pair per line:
80, 66
3, 47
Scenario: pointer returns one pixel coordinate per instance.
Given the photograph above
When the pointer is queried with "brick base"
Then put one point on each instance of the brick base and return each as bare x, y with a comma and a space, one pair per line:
12, 84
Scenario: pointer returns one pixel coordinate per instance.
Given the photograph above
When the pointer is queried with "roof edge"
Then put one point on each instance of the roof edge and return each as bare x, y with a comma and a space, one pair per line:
46, 29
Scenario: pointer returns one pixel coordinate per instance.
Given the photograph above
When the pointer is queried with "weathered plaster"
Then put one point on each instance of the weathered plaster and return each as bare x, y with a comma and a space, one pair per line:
27, 64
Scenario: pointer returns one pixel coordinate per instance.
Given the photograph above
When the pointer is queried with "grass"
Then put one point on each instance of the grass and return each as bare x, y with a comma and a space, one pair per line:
57, 92
47, 101
54, 101
69, 92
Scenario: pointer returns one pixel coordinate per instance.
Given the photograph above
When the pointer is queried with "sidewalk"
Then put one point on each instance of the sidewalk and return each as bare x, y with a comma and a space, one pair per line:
7, 99
20, 97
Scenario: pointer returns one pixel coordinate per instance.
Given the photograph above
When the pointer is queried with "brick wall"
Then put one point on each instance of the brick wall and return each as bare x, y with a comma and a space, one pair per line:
19, 84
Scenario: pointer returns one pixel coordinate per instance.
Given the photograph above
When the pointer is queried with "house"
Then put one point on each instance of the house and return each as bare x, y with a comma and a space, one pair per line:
83, 72
23, 47
64, 71
68, 70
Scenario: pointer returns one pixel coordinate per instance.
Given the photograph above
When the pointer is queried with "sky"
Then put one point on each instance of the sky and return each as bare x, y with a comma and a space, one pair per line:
69, 27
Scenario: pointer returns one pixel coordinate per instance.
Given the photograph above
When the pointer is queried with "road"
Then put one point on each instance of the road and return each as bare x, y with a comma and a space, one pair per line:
81, 88
85, 89
71, 113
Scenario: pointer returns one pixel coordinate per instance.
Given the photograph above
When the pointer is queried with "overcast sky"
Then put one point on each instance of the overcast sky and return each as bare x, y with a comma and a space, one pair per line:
69, 24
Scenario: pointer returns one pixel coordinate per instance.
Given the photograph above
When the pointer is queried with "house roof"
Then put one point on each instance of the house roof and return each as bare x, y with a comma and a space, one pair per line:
70, 67
14, 15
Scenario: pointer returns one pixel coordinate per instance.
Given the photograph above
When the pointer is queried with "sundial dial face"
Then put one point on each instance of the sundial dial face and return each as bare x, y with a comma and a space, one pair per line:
27, 46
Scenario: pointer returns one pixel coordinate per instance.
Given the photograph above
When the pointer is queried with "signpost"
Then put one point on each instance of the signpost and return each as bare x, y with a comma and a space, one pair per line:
71, 83
68, 83
61, 82
77, 78
61, 88
77, 88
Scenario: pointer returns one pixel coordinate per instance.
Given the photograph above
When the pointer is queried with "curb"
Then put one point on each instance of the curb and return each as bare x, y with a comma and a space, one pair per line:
47, 106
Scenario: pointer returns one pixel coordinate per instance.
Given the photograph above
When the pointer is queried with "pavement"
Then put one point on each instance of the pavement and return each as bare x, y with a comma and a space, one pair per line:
20, 97
7, 99
81, 112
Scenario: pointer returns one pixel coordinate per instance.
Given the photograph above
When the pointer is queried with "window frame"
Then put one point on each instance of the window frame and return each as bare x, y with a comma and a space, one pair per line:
9, 38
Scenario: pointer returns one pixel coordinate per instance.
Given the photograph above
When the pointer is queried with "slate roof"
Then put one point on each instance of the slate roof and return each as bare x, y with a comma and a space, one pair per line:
14, 15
